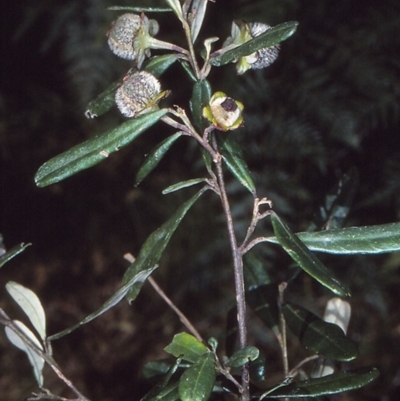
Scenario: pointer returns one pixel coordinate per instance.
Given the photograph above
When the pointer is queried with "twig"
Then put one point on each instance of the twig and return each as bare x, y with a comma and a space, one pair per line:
185, 321
238, 273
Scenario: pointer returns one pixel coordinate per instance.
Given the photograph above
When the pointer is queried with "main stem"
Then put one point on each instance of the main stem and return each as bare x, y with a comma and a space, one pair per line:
239, 277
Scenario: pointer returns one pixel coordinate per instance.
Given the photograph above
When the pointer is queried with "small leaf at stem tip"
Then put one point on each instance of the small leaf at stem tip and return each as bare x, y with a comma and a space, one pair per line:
29, 302
299, 252
176, 7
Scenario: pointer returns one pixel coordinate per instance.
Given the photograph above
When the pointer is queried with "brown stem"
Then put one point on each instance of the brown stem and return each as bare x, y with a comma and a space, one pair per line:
238, 273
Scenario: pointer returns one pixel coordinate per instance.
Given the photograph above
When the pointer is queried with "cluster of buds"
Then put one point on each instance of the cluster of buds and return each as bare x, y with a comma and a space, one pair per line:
241, 34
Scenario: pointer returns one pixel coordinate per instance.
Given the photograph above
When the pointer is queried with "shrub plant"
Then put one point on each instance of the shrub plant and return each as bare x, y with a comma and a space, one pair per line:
200, 369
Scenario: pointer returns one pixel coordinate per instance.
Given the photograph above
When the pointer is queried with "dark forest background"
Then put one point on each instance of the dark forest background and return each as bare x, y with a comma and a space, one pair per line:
327, 107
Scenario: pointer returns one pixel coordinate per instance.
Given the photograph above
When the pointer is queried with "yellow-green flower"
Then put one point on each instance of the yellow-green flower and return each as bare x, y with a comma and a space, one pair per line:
224, 112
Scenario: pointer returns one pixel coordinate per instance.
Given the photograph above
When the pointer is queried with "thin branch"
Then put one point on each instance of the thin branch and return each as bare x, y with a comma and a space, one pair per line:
282, 324
6, 321
185, 321
238, 274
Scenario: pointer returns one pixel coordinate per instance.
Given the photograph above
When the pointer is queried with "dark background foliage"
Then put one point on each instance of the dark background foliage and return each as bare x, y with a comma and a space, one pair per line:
329, 104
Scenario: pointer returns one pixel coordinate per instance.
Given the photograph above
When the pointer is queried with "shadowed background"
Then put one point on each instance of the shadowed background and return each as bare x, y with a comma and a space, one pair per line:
330, 103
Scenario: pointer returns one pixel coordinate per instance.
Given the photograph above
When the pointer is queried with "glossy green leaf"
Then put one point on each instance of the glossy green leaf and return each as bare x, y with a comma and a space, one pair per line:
200, 97
154, 246
213, 343
138, 279
233, 158
263, 300
6, 257
186, 345
30, 304
160, 367
159, 64
331, 384
197, 382
269, 38
140, 9
103, 102
167, 393
36, 361
243, 356
354, 240
188, 69
304, 258
94, 150
323, 338
155, 156
183, 184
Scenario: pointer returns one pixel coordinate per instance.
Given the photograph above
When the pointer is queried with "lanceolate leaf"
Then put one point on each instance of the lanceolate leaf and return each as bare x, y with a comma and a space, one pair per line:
304, 258
183, 184
35, 360
167, 393
197, 382
155, 156
351, 240
94, 150
200, 97
159, 64
103, 102
154, 246
30, 304
269, 38
138, 279
331, 384
233, 158
187, 346
326, 339
6, 257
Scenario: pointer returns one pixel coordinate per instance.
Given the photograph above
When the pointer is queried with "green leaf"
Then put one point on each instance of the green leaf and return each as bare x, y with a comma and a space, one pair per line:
355, 240
200, 97
157, 367
103, 102
155, 156
36, 361
186, 345
159, 64
331, 384
298, 251
326, 339
137, 279
140, 9
188, 69
30, 304
233, 158
94, 150
154, 246
183, 184
243, 356
176, 7
269, 38
6, 257
197, 382
167, 393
